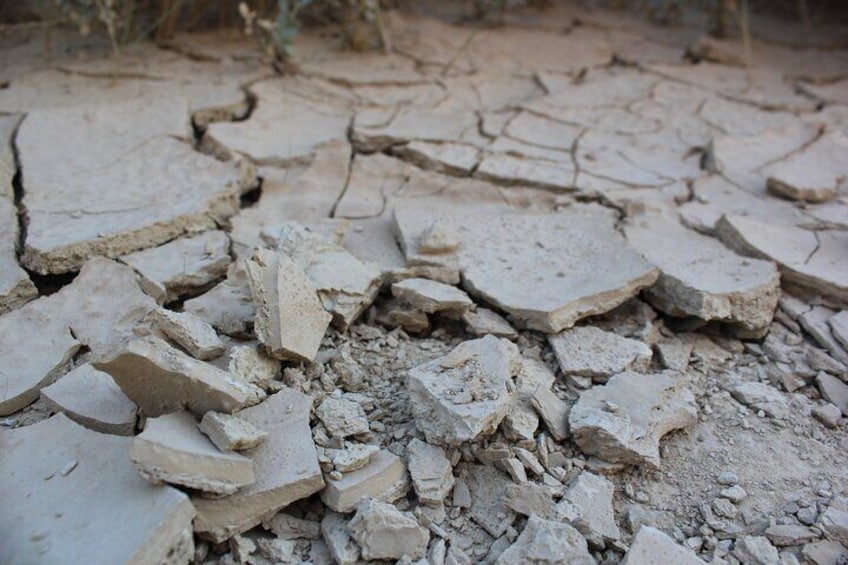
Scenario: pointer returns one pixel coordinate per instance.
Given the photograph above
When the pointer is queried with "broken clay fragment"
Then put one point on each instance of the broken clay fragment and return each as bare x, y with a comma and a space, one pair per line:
171, 449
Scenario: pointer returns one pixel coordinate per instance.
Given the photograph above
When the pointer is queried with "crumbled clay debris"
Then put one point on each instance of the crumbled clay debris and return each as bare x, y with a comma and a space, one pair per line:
436, 446
285, 466
545, 541
230, 433
290, 320
189, 332
384, 532
624, 420
465, 394
171, 449
92, 399
162, 379
432, 296
587, 351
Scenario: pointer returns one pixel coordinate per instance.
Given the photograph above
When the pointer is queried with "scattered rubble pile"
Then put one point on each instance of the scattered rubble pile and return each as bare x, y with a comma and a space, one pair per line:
470, 301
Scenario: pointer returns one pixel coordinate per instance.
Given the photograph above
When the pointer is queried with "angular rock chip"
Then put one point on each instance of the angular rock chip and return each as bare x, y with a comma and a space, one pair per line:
228, 307
432, 296
290, 320
756, 550
651, 546
833, 390
286, 526
189, 332
588, 351
784, 535
579, 264
431, 472
592, 496
345, 285
172, 450
384, 478
835, 524
250, 364
101, 511
816, 173
839, 327
92, 399
554, 412
167, 188
547, 542
522, 417
489, 490
760, 396
353, 457
811, 259
384, 532
31, 364
483, 321
285, 465
623, 421
16, 289
701, 277
342, 417
465, 394
336, 534
185, 266
161, 379
230, 433
825, 553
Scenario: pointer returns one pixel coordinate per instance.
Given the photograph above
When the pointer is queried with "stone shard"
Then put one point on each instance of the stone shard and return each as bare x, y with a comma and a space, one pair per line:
92, 399
432, 296
353, 457
16, 289
384, 478
340, 544
756, 550
816, 173
384, 532
102, 511
230, 433
545, 542
171, 449
835, 524
489, 490
651, 546
623, 421
834, 390
167, 188
286, 526
465, 394
285, 465
580, 265
588, 351
811, 259
183, 267
522, 417
431, 472
825, 553
483, 321
161, 379
346, 286
31, 365
554, 412
701, 277
228, 307
342, 417
760, 396
189, 332
290, 320
592, 496
839, 327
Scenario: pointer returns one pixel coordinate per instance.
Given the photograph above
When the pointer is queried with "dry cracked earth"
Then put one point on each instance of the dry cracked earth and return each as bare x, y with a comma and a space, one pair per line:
546, 293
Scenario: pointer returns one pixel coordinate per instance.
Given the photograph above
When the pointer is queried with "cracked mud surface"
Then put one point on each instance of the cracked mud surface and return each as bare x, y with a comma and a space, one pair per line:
659, 245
